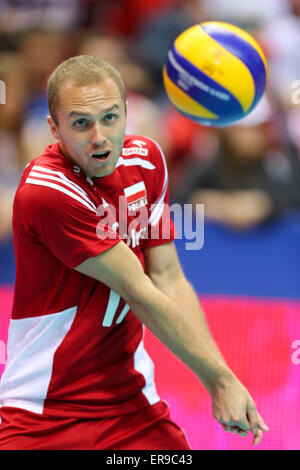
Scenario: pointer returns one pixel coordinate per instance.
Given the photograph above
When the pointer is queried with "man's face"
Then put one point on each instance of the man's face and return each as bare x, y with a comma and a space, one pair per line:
91, 125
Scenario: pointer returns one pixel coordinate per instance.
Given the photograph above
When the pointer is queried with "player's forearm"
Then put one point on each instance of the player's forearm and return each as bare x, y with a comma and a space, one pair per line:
185, 334
183, 331
184, 295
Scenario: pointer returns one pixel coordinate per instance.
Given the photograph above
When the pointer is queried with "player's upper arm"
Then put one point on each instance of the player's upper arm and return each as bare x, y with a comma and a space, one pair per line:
162, 265
65, 222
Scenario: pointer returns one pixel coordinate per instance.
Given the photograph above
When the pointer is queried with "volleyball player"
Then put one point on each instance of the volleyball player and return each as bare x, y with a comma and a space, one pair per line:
89, 275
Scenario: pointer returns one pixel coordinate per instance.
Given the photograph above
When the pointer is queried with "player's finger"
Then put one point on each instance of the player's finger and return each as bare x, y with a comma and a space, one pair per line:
237, 430
242, 425
234, 429
257, 425
262, 425
236, 425
255, 420
257, 436
243, 433
225, 427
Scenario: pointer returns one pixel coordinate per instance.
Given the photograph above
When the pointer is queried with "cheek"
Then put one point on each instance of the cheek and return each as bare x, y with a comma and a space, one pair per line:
120, 136
74, 147
75, 141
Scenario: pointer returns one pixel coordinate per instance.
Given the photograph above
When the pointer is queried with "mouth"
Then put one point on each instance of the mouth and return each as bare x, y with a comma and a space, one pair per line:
101, 156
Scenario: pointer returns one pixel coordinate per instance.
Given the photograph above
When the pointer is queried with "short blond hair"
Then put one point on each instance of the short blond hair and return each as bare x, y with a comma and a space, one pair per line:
81, 70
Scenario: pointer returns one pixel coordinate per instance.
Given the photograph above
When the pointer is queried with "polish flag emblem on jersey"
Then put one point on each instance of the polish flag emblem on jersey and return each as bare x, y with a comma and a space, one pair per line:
136, 196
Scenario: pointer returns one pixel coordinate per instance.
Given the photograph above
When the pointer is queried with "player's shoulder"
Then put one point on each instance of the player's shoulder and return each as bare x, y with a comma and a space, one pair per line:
142, 147
50, 162
49, 181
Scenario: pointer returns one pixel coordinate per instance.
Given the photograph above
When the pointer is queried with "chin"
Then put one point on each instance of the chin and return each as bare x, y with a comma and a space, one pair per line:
100, 174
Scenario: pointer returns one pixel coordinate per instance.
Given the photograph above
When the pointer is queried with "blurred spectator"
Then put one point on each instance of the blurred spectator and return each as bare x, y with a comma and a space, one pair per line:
250, 179
21, 15
11, 148
159, 30
41, 51
248, 14
293, 126
281, 38
24, 132
187, 145
121, 17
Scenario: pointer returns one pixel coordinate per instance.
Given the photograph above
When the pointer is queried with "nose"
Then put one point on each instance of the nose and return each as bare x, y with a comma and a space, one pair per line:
98, 138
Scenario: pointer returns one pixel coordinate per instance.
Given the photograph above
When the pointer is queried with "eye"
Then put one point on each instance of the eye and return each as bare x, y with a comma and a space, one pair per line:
81, 124
110, 117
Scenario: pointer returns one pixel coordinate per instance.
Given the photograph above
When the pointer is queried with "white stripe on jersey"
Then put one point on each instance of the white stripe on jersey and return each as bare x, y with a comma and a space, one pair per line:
66, 183
58, 173
144, 365
112, 306
135, 162
113, 303
157, 213
32, 344
123, 314
158, 207
38, 182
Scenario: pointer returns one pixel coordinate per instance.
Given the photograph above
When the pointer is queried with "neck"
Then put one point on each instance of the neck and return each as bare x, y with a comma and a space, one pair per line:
68, 156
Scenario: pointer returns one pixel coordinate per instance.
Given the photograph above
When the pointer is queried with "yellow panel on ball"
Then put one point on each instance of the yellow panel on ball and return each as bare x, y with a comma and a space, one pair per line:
218, 63
244, 35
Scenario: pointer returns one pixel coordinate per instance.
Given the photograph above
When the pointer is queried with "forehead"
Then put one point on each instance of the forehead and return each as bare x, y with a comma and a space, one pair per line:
89, 98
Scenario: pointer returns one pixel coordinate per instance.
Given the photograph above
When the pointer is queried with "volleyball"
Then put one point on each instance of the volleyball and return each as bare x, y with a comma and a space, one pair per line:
215, 73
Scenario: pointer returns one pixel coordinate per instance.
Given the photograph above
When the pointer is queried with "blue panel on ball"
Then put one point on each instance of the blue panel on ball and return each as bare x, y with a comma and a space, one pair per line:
201, 88
244, 51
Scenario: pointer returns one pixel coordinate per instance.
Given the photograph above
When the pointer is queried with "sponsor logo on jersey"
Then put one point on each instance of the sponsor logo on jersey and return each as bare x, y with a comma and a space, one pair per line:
136, 196
135, 150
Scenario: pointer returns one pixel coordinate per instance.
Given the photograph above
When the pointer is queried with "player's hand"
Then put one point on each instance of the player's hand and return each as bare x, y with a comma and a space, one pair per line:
236, 411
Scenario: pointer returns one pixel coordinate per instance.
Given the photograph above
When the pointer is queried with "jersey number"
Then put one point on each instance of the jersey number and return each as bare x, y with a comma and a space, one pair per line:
112, 307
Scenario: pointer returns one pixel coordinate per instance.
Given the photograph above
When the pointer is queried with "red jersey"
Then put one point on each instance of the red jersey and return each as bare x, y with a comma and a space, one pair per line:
74, 346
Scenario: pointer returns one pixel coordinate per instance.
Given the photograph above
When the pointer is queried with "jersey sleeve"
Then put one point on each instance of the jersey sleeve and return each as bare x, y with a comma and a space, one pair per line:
161, 228
68, 225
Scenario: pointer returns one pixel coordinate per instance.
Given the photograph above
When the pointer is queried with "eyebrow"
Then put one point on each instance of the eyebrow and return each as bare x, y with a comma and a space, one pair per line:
104, 111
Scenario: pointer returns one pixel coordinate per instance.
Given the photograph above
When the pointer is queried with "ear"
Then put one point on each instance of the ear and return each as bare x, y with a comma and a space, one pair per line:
53, 127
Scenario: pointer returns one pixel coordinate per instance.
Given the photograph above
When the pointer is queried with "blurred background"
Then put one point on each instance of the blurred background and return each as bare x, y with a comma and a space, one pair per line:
247, 176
